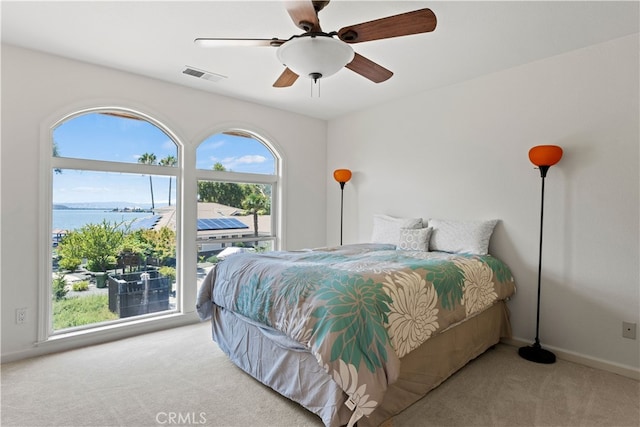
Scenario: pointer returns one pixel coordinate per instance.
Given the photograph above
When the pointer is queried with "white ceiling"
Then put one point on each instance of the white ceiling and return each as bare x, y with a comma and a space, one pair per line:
155, 39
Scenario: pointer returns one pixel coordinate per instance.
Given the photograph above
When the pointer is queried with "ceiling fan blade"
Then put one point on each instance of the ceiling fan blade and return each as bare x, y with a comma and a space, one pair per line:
286, 79
404, 24
223, 42
303, 14
369, 69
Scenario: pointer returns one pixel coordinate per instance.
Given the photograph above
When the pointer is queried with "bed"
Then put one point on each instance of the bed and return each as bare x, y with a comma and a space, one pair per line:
357, 333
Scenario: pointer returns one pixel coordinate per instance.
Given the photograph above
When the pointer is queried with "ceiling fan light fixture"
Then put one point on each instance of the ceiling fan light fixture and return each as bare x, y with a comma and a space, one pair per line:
315, 56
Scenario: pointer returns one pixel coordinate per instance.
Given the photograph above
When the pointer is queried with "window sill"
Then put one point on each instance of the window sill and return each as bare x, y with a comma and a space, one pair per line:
99, 335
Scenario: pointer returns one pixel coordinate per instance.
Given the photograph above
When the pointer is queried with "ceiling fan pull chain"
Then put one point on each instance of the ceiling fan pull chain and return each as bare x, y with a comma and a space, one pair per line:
313, 83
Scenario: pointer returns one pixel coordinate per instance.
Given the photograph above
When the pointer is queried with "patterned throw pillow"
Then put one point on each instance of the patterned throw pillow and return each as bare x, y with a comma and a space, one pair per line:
471, 237
386, 229
414, 239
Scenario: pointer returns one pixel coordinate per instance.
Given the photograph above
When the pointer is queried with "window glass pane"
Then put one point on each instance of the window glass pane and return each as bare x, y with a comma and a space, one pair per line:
112, 137
113, 232
113, 256
112, 190
234, 215
235, 152
209, 253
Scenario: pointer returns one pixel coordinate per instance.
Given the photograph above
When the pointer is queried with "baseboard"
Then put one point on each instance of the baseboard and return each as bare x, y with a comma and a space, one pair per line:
592, 362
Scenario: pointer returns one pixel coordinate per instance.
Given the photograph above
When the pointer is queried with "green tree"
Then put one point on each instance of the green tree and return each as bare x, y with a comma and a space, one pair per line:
171, 162
225, 193
149, 159
100, 244
255, 203
70, 251
159, 244
134, 243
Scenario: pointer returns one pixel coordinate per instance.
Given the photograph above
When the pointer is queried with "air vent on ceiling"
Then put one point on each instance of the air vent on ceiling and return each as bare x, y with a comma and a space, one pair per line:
191, 71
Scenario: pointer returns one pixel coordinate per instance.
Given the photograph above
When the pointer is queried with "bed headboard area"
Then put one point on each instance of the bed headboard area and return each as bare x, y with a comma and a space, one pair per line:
443, 235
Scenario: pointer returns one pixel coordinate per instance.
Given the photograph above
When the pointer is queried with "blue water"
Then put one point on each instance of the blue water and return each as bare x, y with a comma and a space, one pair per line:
71, 219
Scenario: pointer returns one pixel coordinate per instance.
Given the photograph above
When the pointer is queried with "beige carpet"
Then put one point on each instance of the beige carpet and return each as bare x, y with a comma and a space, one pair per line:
180, 377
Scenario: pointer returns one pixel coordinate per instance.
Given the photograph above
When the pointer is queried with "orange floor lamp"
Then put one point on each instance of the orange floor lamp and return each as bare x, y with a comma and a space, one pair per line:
342, 176
543, 156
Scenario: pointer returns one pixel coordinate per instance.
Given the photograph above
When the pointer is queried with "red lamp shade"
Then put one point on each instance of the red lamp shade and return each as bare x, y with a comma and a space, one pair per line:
545, 155
342, 175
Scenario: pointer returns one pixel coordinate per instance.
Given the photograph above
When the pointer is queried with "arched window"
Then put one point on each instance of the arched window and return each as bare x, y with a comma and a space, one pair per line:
114, 189
238, 203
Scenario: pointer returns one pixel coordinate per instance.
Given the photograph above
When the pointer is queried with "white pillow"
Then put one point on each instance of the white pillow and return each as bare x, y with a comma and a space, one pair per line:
461, 236
386, 229
414, 239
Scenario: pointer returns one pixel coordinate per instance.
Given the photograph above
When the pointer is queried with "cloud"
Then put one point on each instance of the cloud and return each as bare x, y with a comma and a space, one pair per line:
256, 158
210, 145
230, 162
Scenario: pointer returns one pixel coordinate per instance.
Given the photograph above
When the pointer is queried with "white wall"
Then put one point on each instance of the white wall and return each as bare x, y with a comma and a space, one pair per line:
461, 152
38, 89
455, 152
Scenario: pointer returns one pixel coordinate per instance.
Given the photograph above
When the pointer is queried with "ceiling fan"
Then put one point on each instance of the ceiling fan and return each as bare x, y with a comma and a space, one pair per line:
318, 54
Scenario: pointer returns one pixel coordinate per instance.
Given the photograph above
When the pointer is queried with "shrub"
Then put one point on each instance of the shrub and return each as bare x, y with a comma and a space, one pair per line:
59, 287
70, 264
98, 266
100, 243
80, 286
169, 272
157, 244
70, 252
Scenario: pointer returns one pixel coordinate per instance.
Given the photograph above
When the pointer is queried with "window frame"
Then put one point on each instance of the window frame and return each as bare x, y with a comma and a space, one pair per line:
274, 180
49, 163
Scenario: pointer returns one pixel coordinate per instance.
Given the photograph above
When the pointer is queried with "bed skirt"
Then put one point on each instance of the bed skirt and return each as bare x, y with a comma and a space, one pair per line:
438, 358
293, 372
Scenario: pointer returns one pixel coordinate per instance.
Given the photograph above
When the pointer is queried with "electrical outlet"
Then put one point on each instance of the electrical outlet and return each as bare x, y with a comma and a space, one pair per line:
21, 316
629, 330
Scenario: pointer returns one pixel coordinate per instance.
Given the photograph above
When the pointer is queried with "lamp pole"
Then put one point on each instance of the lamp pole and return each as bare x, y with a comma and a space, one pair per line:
341, 209
543, 175
342, 176
543, 156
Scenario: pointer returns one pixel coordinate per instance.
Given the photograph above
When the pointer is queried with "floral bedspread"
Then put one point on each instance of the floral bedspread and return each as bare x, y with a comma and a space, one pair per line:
358, 308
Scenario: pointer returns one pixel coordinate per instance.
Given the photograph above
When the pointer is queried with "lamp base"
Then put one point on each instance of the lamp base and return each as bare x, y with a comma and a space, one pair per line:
535, 353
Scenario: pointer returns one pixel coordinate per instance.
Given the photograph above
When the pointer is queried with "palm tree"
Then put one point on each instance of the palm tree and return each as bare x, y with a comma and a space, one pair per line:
171, 162
256, 203
149, 159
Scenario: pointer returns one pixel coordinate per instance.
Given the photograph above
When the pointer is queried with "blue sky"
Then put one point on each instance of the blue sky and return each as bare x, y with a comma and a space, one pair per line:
236, 154
103, 137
